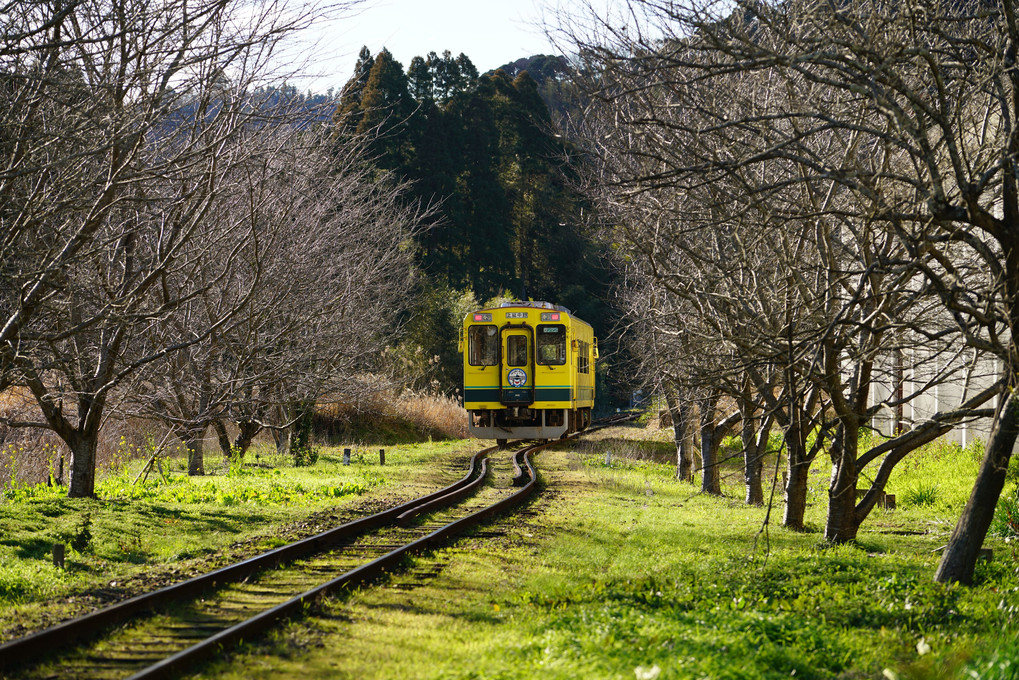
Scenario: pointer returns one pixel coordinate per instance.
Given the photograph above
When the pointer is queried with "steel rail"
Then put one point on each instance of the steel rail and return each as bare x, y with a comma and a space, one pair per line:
21, 650
176, 664
405, 518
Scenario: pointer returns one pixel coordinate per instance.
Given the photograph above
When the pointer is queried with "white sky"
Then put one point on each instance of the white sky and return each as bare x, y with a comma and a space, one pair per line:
490, 32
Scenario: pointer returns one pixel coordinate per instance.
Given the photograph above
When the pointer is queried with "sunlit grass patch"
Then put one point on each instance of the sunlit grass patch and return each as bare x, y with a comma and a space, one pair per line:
921, 494
623, 572
249, 485
168, 519
936, 478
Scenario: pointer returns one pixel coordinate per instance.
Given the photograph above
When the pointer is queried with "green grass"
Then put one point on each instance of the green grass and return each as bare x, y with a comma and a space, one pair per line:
617, 571
174, 524
620, 571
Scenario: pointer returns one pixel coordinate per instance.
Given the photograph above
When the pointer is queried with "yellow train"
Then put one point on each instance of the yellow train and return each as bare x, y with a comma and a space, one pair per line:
528, 371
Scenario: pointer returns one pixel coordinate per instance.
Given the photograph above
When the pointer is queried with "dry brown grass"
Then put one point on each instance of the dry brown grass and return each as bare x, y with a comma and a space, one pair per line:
29, 455
434, 413
389, 417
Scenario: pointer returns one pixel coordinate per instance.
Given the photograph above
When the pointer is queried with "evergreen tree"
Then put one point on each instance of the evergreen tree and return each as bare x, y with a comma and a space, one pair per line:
483, 149
553, 76
445, 75
348, 112
468, 73
419, 80
481, 227
386, 105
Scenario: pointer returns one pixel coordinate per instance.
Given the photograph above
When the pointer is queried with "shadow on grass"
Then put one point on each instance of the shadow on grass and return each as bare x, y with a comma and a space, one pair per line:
30, 548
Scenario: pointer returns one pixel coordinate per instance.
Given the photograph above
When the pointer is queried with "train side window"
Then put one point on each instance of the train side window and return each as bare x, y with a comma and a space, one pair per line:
516, 350
551, 344
483, 345
583, 354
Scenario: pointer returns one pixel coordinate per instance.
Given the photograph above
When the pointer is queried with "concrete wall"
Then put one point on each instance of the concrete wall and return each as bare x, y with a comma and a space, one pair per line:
940, 383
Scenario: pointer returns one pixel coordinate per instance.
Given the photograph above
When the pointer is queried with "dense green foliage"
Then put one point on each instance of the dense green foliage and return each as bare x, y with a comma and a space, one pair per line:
482, 150
554, 76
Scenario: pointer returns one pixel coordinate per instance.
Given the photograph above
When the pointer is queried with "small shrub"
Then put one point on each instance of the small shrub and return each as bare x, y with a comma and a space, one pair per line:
921, 495
81, 539
1006, 518
237, 468
305, 456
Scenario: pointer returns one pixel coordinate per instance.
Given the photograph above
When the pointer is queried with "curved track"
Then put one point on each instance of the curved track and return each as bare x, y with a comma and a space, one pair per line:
160, 634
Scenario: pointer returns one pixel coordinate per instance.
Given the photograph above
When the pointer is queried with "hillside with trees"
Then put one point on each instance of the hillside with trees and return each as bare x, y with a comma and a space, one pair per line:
482, 151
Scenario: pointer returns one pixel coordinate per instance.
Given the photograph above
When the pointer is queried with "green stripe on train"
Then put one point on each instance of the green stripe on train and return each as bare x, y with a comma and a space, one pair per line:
540, 394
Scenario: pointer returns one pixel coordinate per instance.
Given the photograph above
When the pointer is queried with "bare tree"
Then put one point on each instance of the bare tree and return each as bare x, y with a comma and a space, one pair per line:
925, 93
325, 279
118, 131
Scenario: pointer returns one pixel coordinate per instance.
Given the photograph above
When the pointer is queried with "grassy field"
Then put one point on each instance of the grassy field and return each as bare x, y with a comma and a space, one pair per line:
142, 534
619, 571
615, 571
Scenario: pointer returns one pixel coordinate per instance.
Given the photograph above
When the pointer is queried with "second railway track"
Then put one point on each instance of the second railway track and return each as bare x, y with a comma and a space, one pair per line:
161, 634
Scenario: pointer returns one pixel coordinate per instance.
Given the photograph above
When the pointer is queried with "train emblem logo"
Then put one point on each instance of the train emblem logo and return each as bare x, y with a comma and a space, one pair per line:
516, 377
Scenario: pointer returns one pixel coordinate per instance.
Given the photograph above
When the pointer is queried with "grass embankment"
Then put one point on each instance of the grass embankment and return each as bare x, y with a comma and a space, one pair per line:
137, 536
619, 571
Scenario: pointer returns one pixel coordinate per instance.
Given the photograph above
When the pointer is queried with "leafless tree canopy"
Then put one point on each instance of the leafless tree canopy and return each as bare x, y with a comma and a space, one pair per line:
317, 289
154, 210
811, 190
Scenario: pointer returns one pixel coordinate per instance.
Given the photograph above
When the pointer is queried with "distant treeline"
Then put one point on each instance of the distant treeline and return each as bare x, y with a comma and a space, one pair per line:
483, 147
483, 150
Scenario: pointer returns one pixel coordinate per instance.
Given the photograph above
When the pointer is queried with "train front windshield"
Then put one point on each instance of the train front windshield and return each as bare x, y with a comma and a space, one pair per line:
551, 342
483, 345
516, 350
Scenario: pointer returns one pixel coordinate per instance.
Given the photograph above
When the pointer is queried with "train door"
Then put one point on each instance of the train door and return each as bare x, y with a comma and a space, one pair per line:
516, 374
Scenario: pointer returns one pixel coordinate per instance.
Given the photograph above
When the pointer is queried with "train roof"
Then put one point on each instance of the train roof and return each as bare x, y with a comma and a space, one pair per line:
533, 304
530, 304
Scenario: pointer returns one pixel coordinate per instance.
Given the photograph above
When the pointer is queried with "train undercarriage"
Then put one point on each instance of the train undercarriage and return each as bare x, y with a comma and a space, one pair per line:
521, 422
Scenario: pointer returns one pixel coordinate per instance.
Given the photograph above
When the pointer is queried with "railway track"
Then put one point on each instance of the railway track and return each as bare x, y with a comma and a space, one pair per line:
161, 634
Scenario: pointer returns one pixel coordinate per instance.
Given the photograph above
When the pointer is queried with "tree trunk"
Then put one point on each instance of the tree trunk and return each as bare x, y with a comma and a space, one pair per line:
709, 449
796, 482
282, 437
193, 440
247, 429
83, 466
222, 437
709, 456
283, 433
960, 557
680, 417
686, 450
755, 446
842, 523
300, 447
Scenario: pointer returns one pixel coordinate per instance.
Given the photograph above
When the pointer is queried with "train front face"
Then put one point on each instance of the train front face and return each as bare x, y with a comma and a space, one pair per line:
528, 371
